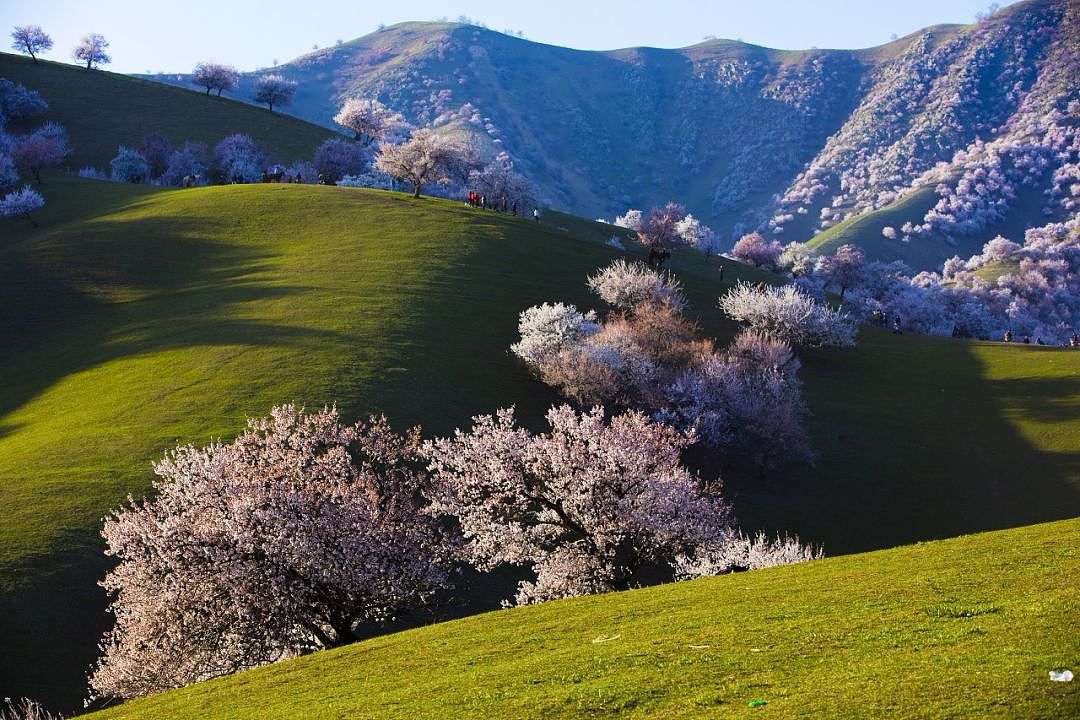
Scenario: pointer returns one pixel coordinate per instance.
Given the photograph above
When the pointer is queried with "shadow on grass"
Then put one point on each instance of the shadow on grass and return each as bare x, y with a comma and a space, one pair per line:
914, 442
70, 302
126, 288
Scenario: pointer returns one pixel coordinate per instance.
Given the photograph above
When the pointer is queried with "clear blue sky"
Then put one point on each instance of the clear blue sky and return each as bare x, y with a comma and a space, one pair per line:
173, 36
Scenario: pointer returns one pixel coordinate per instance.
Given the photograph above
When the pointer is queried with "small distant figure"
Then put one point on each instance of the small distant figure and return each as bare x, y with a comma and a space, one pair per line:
1074, 340
483, 201
897, 326
513, 209
1039, 341
721, 271
1026, 340
879, 317
1008, 336
536, 214
761, 287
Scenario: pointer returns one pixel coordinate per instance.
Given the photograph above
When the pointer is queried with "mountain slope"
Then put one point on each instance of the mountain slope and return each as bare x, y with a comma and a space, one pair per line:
792, 142
965, 628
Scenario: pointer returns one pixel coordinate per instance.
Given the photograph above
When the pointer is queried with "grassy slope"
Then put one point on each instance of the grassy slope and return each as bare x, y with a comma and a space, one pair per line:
171, 315
964, 628
928, 254
102, 110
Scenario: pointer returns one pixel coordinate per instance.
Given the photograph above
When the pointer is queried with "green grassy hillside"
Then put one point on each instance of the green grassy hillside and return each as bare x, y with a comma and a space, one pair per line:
139, 317
929, 253
102, 110
964, 628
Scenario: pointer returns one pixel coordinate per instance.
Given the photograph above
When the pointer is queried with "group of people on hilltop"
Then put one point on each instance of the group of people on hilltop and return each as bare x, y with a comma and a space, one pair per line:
1074, 339
477, 200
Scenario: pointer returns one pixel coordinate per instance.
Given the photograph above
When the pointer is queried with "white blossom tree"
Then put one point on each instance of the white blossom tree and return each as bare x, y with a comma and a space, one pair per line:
129, 166
585, 506
549, 328
273, 90
22, 202
91, 50
30, 39
273, 545
239, 158
697, 235
789, 314
631, 285
422, 159
368, 118
215, 76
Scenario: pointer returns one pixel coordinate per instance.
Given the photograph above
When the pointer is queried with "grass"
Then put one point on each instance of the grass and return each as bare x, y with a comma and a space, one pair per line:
963, 628
865, 231
139, 318
102, 110
928, 253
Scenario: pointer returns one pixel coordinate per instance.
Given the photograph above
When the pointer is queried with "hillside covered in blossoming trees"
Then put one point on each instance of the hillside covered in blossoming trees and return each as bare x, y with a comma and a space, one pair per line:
978, 123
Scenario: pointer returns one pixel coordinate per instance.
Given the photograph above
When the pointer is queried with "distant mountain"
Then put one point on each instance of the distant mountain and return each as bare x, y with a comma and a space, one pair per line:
791, 142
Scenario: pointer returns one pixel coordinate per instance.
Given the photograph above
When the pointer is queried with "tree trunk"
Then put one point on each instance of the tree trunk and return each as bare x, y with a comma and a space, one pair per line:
416, 190
31, 220
207, 92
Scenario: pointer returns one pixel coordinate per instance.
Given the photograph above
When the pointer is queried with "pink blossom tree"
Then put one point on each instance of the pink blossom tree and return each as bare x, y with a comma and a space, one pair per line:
215, 76
844, 268
30, 39
585, 506
276, 544
755, 250
91, 50
659, 231
37, 152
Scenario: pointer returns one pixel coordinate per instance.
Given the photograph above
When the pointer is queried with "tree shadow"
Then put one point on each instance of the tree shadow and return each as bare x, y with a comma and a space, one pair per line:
915, 440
